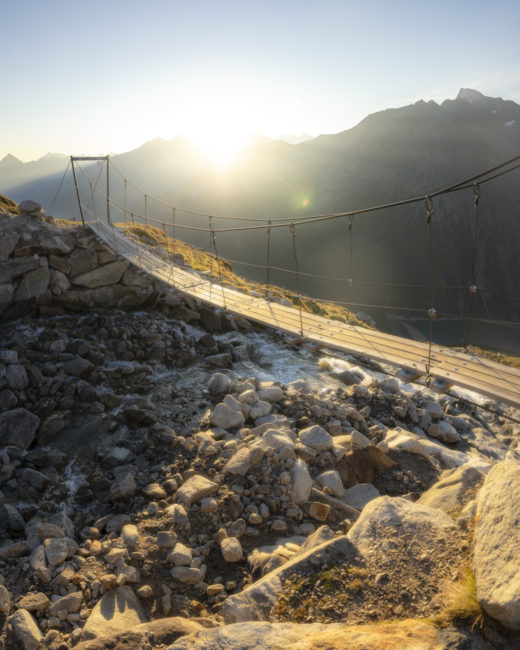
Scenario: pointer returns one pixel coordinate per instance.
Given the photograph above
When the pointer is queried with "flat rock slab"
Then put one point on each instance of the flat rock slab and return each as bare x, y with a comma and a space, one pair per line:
496, 548
154, 634
255, 602
117, 611
101, 276
409, 634
195, 488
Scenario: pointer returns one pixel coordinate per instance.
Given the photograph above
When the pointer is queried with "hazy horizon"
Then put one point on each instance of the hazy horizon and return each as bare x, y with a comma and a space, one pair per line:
111, 76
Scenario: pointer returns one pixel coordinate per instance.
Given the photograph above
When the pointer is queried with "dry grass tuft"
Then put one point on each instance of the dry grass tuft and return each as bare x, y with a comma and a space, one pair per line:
460, 602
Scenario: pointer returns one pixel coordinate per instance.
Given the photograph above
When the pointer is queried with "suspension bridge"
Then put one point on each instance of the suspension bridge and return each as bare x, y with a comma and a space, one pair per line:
437, 366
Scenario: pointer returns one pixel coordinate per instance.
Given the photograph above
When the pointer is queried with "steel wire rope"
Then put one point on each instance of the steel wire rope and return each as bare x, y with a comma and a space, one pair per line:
268, 262
59, 187
349, 264
314, 219
431, 311
473, 286
292, 229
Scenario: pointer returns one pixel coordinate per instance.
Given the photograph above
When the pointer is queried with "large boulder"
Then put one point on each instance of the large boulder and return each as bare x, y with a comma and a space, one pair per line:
102, 275
32, 285
409, 634
453, 489
118, 610
155, 634
496, 548
23, 631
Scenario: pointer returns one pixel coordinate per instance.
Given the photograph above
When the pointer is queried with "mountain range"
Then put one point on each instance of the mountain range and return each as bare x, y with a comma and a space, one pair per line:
390, 155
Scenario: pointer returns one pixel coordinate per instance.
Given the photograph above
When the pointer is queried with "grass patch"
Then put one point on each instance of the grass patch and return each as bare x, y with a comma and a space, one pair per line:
505, 358
201, 260
460, 602
7, 205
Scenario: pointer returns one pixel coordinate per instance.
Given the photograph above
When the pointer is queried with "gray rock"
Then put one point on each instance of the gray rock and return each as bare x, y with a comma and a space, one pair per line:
82, 261
496, 559
16, 376
78, 367
25, 630
302, 482
117, 611
271, 394
7, 245
56, 550
12, 518
5, 600
194, 489
359, 495
69, 603
28, 206
231, 549
219, 384
58, 281
18, 428
102, 276
316, 438
124, 487
14, 268
181, 555
443, 431
226, 417
130, 535
240, 463
33, 284
332, 481
453, 489
34, 602
6, 296
186, 574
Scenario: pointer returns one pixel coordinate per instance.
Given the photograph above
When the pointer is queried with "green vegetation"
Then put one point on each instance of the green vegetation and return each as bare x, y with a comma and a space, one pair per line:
6, 205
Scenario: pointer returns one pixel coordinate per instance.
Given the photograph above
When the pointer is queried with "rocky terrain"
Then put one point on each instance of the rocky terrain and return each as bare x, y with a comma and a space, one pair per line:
173, 477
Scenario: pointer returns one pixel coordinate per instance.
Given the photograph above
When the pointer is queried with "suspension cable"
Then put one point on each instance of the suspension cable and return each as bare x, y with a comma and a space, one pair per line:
268, 264
473, 286
349, 264
214, 239
298, 290
432, 314
59, 187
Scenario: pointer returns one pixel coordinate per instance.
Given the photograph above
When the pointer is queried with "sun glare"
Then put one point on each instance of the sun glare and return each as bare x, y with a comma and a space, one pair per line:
220, 146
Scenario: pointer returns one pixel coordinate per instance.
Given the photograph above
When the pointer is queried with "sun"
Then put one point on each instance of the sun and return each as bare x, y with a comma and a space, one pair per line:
220, 146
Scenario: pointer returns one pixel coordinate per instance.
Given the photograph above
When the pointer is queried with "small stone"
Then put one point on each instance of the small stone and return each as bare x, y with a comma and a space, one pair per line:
34, 602
213, 590
56, 550
16, 376
255, 518
209, 504
231, 549
316, 437
319, 511
187, 575
332, 481
225, 417
166, 539
302, 482
130, 535
195, 488
69, 603
181, 555
145, 591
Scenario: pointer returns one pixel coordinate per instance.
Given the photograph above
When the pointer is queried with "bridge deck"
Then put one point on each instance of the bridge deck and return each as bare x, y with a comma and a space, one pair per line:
453, 367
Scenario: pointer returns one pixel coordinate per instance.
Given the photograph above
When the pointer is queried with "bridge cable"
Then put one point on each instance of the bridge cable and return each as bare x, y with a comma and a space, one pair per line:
432, 314
349, 265
268, 264
473, 286
214, 238
295, 255
59, 187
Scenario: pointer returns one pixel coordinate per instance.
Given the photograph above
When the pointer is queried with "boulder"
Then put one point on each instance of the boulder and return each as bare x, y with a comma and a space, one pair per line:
8, 244
32, 285
117, 611
443, 431
496, 546
18, 428
409, 634
102, 275
16, 376
28, 206
25, 631
155, 634
359, 495
231, 549
453, 489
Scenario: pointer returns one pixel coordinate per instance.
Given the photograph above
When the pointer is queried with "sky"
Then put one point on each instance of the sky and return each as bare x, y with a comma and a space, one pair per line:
104, 76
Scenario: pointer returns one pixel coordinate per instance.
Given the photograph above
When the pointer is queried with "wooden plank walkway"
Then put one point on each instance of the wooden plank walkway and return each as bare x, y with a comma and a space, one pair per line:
451, 367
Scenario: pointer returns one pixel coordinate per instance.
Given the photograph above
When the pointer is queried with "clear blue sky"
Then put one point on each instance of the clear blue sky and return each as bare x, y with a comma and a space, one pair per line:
105, 76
